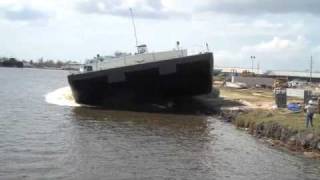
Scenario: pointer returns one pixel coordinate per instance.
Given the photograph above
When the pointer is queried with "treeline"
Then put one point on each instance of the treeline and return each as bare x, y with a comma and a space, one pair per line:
47, 63
10, 62
40, 63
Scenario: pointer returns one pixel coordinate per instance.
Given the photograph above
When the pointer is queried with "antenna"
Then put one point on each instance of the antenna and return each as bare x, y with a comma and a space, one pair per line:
134, 26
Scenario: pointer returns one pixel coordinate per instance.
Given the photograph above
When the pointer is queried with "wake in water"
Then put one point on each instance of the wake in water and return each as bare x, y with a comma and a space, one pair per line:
196, 105
62, 97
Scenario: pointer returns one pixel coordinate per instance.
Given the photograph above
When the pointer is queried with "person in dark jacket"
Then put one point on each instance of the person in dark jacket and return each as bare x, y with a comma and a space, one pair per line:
311, 108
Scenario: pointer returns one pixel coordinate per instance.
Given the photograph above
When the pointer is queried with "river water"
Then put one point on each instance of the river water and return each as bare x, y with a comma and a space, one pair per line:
45, 135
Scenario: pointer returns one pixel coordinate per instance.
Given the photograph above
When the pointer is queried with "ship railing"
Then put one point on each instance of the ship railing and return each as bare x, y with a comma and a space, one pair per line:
153, 57
140, 59
136, 59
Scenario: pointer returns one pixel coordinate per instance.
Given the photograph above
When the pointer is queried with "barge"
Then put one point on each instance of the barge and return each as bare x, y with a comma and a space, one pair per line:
142, 78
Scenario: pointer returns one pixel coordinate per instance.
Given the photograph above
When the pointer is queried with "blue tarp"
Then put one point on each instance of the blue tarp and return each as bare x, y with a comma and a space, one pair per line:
294, 107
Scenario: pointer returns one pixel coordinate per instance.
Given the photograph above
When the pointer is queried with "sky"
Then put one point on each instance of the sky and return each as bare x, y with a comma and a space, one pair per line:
281, 35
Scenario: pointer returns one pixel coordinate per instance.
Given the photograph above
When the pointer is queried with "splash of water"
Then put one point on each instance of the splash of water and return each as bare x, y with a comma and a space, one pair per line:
62, 97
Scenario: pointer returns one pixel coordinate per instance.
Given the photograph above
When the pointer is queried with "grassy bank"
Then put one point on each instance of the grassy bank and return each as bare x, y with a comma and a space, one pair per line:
264, 99
295, 121
260, 119
286, 128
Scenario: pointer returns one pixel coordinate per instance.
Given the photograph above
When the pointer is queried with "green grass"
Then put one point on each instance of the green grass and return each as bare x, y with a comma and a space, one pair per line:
295, 121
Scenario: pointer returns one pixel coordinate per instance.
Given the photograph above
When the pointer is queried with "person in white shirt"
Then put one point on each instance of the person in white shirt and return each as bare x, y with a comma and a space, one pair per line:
311, 109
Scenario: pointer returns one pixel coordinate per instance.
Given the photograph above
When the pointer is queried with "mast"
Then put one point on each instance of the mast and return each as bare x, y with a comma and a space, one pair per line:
311, 64
207, 46
134, 26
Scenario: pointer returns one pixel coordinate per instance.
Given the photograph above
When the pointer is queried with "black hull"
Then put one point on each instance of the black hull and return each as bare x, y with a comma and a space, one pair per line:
150, 82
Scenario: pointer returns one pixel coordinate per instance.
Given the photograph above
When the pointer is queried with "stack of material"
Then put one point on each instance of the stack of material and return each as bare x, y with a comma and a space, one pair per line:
281, 98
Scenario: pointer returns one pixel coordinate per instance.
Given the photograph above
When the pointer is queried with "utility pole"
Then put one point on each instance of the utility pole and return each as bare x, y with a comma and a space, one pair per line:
252, 59
311, 64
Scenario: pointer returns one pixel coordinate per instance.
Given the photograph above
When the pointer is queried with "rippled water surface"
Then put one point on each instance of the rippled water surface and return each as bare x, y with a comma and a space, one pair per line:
45, 135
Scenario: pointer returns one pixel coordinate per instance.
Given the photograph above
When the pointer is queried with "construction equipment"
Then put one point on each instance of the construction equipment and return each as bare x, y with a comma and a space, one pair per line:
247, 74
280, 83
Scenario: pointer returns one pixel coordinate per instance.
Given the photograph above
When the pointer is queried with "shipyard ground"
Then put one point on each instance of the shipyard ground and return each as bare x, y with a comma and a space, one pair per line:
257, 115
261, 101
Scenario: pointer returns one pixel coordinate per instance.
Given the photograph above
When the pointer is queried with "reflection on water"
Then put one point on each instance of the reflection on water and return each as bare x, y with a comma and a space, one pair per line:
141, 145
99, 114
122, 145
41, 140
146, 124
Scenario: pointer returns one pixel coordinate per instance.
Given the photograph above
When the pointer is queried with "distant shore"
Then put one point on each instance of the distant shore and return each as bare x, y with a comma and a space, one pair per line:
46, 68
40, 64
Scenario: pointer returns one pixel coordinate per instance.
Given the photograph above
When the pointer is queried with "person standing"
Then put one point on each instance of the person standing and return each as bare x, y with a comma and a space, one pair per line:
311, 109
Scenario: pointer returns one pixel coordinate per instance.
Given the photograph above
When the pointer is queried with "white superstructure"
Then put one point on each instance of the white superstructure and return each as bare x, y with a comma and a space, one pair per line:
109, 62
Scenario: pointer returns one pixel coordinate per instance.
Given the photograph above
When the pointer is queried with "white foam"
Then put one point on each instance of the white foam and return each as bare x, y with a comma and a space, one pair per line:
62, 97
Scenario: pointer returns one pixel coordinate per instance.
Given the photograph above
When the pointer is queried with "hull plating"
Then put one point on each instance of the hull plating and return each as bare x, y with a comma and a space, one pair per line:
155, 81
